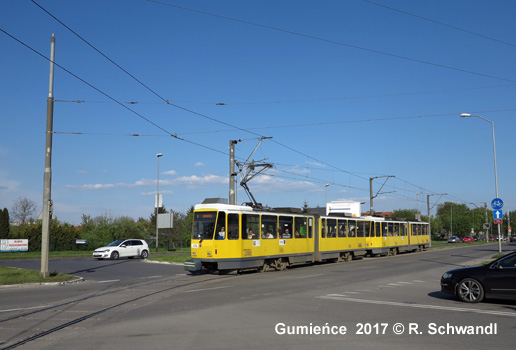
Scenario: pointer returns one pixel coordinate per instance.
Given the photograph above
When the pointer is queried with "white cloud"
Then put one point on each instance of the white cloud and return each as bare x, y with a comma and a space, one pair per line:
271, 184
316, 164
170, 172
191, 181
195, 180
139, 183
153, 193
199, 164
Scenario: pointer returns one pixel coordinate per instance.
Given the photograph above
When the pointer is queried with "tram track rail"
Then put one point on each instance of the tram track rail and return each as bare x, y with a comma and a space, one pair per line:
38, 324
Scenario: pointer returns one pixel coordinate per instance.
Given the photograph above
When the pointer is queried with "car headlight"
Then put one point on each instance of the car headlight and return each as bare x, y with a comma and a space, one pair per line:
447, 275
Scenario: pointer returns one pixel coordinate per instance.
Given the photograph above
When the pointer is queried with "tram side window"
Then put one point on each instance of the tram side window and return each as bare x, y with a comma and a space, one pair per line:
385, 230
343, 228
221, 226
300, 227
378, 229
390, 229
368, 228
425, 229
269, 226
250, 226
310, 227
204, 225
396, 229
403, 229
360, 228
332, 227
285, 227
233, 226
323, 228
352, 226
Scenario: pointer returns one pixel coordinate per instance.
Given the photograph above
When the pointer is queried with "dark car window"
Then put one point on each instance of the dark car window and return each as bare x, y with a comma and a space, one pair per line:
510, 262
136, 243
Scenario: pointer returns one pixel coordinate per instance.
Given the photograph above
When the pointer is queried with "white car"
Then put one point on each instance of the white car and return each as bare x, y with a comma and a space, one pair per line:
123, 248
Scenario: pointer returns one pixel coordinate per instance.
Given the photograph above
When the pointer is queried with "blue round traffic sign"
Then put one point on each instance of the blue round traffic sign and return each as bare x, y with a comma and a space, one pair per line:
497, 203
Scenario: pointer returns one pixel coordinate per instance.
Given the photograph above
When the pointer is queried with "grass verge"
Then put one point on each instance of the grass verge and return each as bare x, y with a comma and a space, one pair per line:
12, 275
178, 258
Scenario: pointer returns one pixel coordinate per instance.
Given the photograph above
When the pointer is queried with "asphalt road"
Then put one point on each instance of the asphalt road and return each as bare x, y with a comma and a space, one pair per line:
387, 303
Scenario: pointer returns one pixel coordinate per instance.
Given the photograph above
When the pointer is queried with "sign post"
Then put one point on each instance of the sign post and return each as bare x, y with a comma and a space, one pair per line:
497, 205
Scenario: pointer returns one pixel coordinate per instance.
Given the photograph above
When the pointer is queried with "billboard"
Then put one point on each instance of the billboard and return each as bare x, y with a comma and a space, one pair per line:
14, 245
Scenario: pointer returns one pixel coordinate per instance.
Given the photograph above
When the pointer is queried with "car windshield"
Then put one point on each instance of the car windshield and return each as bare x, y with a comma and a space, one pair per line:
204, 225
116, 243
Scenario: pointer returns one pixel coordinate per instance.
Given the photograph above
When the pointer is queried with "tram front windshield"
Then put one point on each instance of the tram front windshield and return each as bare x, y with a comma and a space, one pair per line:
204, 225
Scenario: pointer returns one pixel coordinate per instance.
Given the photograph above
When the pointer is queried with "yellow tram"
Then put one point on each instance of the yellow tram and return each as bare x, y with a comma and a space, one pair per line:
231, 237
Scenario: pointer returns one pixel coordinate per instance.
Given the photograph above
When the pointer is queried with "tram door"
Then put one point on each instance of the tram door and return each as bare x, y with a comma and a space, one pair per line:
227, 243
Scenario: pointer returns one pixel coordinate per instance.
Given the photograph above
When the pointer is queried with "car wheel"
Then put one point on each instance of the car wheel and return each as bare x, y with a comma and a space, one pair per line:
470, 291
145, 254
114, 256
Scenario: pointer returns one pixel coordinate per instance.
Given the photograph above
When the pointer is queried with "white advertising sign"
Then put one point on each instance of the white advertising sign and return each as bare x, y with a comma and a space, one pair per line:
14, 245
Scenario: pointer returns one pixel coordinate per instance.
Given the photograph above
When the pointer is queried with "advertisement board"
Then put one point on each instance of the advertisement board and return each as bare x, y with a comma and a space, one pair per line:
14, 245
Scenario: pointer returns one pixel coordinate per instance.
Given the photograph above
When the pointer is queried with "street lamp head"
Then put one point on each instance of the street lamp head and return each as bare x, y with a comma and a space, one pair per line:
465, 115
326, 185
159, 155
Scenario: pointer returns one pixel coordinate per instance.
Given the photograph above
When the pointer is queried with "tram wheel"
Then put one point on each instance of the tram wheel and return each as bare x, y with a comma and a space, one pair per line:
348, 256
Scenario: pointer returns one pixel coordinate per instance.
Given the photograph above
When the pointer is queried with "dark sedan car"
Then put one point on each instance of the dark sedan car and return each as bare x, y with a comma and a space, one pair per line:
494, 280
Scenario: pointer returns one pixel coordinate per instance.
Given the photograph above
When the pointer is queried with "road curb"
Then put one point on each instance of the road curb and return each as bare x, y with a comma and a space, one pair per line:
37, 284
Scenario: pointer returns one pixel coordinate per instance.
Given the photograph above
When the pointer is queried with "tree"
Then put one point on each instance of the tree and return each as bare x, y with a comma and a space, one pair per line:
456, 218
23, 209
4, 224
407, 214
305, 207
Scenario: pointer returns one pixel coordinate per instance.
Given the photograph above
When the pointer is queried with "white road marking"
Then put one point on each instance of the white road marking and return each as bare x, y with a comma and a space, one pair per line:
108, 281
205, 289
420, 306
319, 274
25, 308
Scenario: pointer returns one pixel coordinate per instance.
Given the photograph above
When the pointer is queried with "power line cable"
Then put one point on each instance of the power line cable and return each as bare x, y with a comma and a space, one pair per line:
132, 76
98, 51
334, 42
440, 23
185, 109
107, 95
304, 100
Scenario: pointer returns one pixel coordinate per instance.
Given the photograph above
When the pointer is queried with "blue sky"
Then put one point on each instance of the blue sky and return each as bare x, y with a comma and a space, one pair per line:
347, 90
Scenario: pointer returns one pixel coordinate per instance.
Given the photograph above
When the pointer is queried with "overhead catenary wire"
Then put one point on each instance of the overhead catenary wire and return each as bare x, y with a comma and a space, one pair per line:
440, 23
334, 42
194, 112
305, 100
108, 96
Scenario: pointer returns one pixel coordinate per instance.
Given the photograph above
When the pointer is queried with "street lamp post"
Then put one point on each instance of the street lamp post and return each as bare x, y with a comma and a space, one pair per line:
157, 203
467, 115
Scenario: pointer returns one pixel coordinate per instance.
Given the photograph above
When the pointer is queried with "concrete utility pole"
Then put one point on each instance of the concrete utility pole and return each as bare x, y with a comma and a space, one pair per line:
47, 177
371, 197
232, 173
158, 203
428, 207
